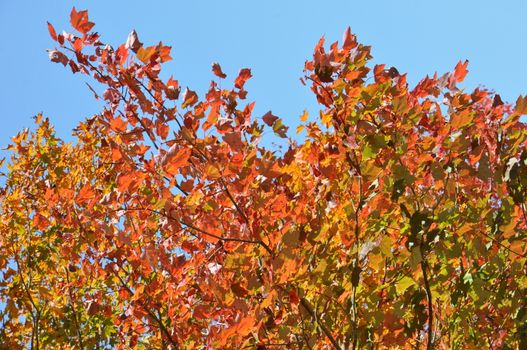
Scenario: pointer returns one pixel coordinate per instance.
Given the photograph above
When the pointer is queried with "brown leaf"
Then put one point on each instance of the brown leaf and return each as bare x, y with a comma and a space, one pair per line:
269, 118
497, 101
216, 69
133, 42
234, 140
57, 57
521, 105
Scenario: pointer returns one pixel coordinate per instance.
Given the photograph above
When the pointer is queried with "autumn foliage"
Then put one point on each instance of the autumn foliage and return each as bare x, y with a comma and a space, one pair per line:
398, 222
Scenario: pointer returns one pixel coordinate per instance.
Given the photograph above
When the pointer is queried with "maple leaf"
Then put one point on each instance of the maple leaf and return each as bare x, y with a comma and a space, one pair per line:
521, 105
132, 42
404, 206
269, 118
79, 21
189, 98
145, 54
460, 72
58, 57
348, 40
216, 69
52, 32
243, 76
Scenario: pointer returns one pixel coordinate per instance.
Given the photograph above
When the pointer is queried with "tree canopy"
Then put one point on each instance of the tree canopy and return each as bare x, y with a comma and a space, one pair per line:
399, 221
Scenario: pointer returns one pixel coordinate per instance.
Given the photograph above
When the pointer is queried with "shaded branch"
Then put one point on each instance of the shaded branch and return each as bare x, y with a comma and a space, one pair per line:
159, 322
307, 306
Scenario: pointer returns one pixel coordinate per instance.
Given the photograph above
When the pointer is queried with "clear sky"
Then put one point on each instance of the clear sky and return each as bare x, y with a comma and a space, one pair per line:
273, 38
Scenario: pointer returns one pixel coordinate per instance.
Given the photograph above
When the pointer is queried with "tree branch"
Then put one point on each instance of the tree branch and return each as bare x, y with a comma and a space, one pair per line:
430, 330
307, 306
160, 323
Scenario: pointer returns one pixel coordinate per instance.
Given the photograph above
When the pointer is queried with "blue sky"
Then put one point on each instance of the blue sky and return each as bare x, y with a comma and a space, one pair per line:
273, 38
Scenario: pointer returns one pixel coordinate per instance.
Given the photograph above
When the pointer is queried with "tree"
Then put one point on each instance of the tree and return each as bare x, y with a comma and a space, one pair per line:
399, 222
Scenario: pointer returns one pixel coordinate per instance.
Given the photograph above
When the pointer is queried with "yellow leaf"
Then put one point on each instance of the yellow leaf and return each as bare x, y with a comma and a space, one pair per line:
299, 129
304, 116
145, 54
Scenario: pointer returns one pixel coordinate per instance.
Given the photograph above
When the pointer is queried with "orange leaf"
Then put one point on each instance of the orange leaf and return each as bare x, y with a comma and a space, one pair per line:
245, 325
144, 55
175, 159
164, 52
85, 194
461, 71
40, 222
304, 116
116, 154
124, 182
189, 97
118, 124
181, 158
212, 118
461, 119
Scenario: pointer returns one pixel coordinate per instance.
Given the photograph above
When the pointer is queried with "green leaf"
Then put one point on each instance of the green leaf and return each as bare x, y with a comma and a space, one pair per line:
404, 284
467, 278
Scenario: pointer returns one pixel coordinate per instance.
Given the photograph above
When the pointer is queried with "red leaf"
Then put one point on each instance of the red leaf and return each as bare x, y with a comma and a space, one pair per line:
461, 71
269, 118
200, 312
243, 76
122, 54
172, 90
77, 45
79, 21
92, 307
293, 297
52, 32
216, 69
348, 40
